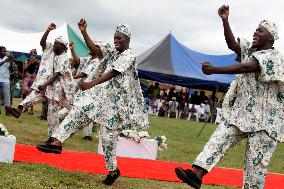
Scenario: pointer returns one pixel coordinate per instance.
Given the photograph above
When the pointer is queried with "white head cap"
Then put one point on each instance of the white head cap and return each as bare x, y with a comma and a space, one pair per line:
271, 27
61, 40
125, 29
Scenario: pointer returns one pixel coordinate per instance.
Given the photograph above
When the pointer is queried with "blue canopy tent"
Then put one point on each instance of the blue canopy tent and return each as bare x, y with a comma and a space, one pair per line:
171, 62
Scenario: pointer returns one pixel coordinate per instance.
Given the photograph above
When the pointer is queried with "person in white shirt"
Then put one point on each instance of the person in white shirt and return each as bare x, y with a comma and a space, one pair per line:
5, 82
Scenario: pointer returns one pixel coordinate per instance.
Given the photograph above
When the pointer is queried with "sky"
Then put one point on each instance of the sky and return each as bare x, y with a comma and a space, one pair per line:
195, 23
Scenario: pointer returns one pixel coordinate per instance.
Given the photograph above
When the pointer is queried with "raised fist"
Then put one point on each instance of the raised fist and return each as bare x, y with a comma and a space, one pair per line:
223, 12
51, 26
82, 24
207, 68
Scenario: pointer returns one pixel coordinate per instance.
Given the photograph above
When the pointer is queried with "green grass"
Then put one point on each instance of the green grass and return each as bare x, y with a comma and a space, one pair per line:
183, 146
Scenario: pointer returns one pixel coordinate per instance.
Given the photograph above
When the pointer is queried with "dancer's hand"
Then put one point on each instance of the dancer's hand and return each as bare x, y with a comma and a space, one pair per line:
51, 26
71, 45
82, 25
42, 88
223, 12
207, 68
85, 85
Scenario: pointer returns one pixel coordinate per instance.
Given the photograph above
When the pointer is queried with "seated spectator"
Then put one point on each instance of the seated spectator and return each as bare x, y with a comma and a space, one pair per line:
163, 111
192, 112
159, 105
173, 108
153, 105
201, 110
183, 110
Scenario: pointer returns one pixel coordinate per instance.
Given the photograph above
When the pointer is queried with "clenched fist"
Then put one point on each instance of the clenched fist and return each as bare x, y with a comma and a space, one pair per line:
51, 26
207, 68
223, 12
82, 25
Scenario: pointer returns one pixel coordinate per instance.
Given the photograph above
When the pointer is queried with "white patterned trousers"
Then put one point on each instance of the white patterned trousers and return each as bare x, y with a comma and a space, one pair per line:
259, 150
75, 121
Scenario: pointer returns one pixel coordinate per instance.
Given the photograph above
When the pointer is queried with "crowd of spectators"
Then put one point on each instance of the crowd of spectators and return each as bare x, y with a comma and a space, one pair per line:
181, 104
16, 79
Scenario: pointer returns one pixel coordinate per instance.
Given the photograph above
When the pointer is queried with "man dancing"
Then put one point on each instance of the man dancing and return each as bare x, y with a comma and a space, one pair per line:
114, 100
252, 108
54, 80
90, 68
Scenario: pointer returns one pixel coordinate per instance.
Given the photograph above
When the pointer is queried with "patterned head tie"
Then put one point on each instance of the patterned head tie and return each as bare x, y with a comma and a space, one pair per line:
61, 40
125, 29
271, 27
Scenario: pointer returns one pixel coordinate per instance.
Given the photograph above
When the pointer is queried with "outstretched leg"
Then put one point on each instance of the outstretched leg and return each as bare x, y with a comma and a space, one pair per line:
223, 138
33, 98
73, 122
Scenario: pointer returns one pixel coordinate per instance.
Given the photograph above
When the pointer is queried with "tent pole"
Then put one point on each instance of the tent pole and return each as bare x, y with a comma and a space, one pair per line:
214, 109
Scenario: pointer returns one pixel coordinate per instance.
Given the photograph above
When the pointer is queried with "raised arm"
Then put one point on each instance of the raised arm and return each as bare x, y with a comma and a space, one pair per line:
92, 47
229, 36
51, 26
74, 55
247, 67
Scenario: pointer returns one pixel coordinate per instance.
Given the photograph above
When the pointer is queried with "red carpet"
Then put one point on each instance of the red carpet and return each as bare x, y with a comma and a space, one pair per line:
136, 168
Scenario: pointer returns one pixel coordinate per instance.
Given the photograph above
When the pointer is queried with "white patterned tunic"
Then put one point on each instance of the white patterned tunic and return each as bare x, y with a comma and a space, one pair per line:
87, 65
255, 101
45, 68
117, 103
64, 86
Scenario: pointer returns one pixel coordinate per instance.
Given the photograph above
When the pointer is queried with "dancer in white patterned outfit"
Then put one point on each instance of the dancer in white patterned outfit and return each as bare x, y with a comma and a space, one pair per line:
114, 100
90, 68
252, 108
54, 80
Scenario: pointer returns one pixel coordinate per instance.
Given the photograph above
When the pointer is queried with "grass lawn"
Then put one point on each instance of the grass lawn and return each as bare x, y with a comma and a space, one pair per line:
183, 146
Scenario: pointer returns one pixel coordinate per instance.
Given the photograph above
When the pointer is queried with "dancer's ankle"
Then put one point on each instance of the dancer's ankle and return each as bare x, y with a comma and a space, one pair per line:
56, 142
200, 172
20, 108
112, 172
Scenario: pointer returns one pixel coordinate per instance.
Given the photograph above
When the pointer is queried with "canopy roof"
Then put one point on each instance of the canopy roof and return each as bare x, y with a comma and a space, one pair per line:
169, 61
